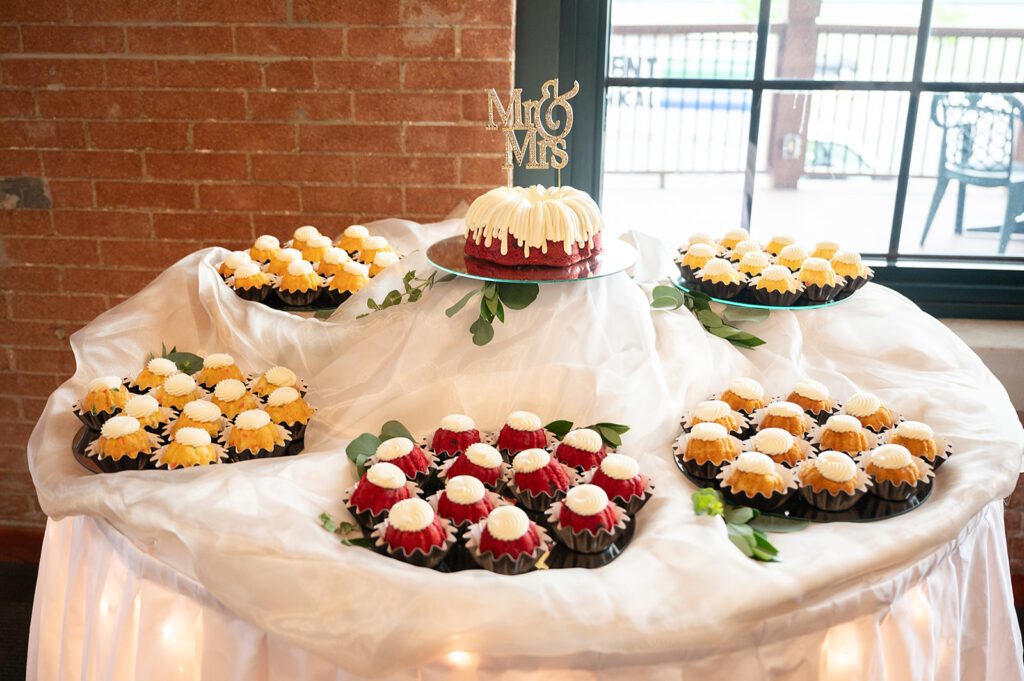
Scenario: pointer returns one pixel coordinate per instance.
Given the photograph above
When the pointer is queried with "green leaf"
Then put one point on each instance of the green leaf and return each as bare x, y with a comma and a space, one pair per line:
707, 501
323, 314
662, 291
517, 296
393, 429
185, 361
617, 427
733, 313
361, 449
392, 298
482, 332
454, 309
746, 340
759, 554
724, 331
665, 303
610, 437
742, 542
360, 316
559, 428
768, 523
485, 311
491, 290
409, 276
360, 541
492, 303
499, 312
371, 304
415, 295
739, 514
742, 529
447, 277
327, 522
709, 319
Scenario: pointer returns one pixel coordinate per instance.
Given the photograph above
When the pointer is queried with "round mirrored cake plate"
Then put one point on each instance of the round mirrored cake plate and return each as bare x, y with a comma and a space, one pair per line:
449, 255
743, 301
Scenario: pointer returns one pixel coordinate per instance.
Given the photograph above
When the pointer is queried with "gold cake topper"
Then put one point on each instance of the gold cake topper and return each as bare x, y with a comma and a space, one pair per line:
532, 115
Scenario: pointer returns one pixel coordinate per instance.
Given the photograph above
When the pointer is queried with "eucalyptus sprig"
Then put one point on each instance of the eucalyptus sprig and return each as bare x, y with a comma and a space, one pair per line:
187, 362
365, 446
412, 290
344, 529
496, 297
671, 298
609, 432
746, 526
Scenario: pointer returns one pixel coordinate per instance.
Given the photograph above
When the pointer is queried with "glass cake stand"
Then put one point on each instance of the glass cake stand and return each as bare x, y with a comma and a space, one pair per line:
686, 286
448, 255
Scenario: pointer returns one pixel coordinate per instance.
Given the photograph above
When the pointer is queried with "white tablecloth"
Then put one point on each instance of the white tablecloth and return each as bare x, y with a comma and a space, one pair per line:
681, 593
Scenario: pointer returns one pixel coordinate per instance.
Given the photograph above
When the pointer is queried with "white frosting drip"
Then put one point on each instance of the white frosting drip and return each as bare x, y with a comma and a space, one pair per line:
457, 423
483, 455
773, 441
192, 437
267, 242
533, 215
464, 489
104, 383
385, 259
530, 460
246, 270
375, 243
812, 390
826, 246
306, 232
353, 267
141, 406
755, 462
755, 259
586, 499
202, 411
793, 252
717, 267
747, 389
410, 515
357, 232
507, 523
161, 366
816, 265
385, 475
288, 255
524, 421
712, 410
842, 423
236, 258
862, 404
786, 409
891, 457
319, 241
701, 250
847, 257
700, 238
218, 360
282, 376
252, 419
915, 430
229, 390
336, 256
737, 235
709, 432
746, 246
836, 466
585, 439
620, 467
180, 384
776, 273
299, 268
282, 396
395, 448
119, 426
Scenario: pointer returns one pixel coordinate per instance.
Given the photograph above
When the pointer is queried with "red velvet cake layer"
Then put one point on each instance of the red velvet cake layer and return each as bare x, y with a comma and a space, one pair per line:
555, 256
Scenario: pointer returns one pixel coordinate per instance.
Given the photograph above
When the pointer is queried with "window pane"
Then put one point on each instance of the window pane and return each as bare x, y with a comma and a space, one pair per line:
976, 42
827, 166
972, 141
674, 159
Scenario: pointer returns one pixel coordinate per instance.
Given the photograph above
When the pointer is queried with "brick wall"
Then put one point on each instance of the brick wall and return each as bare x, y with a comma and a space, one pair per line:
133, 132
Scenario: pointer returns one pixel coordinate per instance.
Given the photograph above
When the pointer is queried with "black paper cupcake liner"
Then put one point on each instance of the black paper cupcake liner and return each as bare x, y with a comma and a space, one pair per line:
687, 273
585, 541
333, 297
886, 489
295, 447
418, 557
505, 564
706, 471
298, 298
721, 289
255, 295
366, 519
776, 298
536, 502
125, 463
93, 420
855, 283
822, 294
826, 501
235, 455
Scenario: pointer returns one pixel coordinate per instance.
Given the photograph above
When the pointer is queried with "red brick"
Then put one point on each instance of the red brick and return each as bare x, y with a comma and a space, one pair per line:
32, 407
149, 253
180, 40
228, 11
203, 226
458, 75
487, 43
474, 108
357, 75
209, 74
33, 10
376, 169
73, 39
371, 106
131, 72
139, 135
243, 136
478, 170
300, 42
51, 250
30, 222
393, 41
348, 12
289, 75
10, 40
89, 104
124, 10
63, 307
71, 193
14, 162
61, 134
106, 280
28, 277
34, 334
194, 105
1014, 521
449, 12
69, 72
145, 194
197, 165
453, 139
248, 197
1016, 498
12, 431
92, 164
283, 226
17, 104
101, 223
302, 167
376, 138
327, 199
10, 407
300, 106
438, 200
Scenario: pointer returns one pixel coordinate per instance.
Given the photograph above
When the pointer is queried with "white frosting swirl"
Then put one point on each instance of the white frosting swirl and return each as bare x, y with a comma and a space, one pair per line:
483, 455
385, 259
812, 390
700, 238
891, 457
826, 246
353, 267
717, 267
281, 376
745, 247
755, 462
530, 460
119, 426
103, 383
584, 439
842, 423
375, 243
712, 410
236, 258
267, 242
395, 448
784, 239
457, 423
385, 475
793, 252
202, 411
701, 250
319, 241
410, 515
229, 390
847, 257
192, 437
141, 406
523, 421
356, 232
161, 366
747, 389
709, 432
246, 270
288, 255
299, 268
507, 523
862, 404
620, 467
816, 265
776, 273
218, 360
180, 384
736, 235
773, 441
836, 466
464, 489
336, 256
306, 232
282, 396
533, 215
784, 409
915, 430
586, 500
755, 259
252, 419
